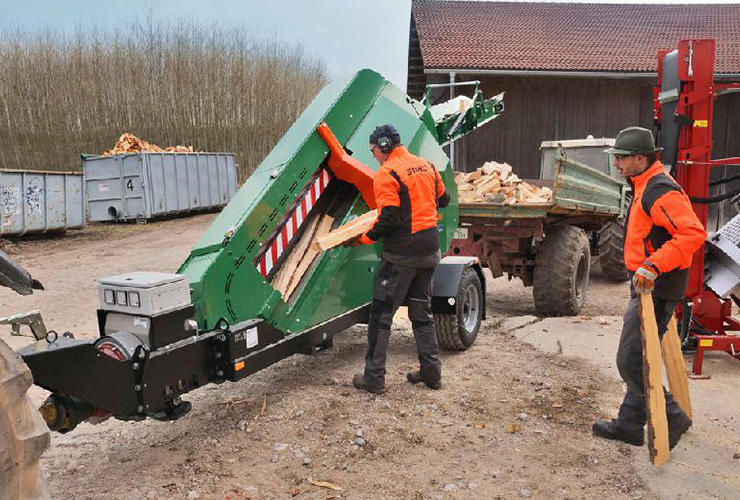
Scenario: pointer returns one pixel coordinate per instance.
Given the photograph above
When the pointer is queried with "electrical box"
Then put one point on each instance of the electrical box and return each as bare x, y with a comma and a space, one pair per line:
144, 293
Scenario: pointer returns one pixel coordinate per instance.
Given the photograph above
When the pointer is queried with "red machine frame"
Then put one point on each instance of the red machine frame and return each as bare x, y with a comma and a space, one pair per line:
693, 168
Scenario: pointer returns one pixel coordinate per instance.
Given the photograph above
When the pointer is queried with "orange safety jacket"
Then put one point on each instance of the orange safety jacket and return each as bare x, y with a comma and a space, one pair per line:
662, 229
408, 190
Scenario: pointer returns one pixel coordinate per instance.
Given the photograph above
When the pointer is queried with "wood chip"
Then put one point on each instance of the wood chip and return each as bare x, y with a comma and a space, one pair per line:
513, 428
129, 143
326, 484
262, 411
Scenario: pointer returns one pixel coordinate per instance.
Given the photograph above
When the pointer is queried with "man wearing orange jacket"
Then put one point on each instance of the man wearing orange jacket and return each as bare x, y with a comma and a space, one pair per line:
662, 235
408, 190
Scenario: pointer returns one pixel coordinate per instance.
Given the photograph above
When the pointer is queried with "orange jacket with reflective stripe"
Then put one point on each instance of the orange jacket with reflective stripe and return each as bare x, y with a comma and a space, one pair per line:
662, 229
408, 191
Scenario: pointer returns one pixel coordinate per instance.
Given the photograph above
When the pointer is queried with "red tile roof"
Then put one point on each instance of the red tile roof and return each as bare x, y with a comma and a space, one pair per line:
569, 36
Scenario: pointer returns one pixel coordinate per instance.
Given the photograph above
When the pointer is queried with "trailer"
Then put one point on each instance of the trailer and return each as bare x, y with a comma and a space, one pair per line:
546, 245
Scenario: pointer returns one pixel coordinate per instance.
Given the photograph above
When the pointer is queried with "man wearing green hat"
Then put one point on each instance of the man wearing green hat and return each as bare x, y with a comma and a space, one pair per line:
662, 234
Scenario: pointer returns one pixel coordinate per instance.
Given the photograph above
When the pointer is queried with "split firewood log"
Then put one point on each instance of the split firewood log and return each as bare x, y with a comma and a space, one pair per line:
352, 229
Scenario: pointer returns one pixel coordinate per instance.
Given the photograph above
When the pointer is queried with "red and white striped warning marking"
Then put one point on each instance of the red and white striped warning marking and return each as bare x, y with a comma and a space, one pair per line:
284, 236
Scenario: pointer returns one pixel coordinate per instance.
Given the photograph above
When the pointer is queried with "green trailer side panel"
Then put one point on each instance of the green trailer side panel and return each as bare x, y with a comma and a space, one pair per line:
582, 188
500, 211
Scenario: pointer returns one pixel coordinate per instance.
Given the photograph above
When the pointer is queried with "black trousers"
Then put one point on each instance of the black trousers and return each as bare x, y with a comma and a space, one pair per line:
394, 285
633, 411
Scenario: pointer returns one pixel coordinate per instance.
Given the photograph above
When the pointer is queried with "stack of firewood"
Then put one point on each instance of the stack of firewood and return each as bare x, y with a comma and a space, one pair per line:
496, 183
129, 143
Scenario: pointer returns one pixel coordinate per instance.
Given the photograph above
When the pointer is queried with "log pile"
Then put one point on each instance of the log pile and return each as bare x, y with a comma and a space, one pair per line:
496, 183
129, 143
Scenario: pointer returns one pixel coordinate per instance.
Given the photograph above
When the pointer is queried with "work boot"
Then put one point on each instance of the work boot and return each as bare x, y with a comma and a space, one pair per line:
676, 427
360, 382
619, 432
416, 378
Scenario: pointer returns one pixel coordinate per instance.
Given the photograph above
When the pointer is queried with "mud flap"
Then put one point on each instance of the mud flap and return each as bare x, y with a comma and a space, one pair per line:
446, 283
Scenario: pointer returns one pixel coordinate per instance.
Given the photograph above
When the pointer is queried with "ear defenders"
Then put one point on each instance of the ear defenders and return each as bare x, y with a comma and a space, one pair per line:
385, 144
386, 137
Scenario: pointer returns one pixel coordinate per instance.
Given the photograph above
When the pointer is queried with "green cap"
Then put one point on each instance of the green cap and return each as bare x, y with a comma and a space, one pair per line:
632, 141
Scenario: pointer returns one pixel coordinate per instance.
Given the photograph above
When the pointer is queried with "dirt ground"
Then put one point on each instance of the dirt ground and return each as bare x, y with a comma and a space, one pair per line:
510, 421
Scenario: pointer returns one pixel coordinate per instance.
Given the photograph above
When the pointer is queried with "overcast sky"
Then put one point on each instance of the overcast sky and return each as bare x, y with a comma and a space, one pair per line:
347, 34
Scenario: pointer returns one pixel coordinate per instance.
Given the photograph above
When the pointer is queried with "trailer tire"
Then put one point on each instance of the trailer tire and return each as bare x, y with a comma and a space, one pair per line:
457, 332
23, 434
611, 251
561, 272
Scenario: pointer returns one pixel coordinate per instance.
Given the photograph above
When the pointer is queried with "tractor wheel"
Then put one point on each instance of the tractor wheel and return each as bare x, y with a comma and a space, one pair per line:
457, 332
561, 272
611, 251
23, 433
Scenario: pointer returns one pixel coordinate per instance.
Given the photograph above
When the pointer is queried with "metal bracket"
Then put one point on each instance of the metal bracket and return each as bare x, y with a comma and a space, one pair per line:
139, 359
32, 318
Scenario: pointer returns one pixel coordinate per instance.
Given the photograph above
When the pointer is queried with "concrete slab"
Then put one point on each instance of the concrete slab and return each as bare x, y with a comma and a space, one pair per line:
517, 322
594, 339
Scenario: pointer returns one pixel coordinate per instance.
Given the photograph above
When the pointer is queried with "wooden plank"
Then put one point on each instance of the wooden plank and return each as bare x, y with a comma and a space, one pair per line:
346, 232
324, 226
652, 374
678, 378
281, 280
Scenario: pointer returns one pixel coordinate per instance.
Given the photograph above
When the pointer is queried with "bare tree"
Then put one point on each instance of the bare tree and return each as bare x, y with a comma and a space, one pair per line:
212, 88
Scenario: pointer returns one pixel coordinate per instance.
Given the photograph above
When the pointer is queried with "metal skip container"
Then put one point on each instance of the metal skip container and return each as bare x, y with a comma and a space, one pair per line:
38, 201
147, 185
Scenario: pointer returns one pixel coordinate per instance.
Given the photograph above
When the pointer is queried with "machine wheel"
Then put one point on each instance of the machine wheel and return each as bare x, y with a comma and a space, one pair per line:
23, 433
611, 250
561, 272
457, 332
